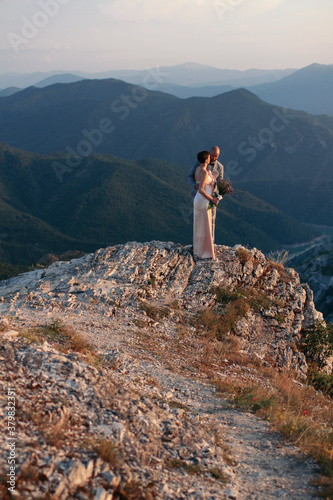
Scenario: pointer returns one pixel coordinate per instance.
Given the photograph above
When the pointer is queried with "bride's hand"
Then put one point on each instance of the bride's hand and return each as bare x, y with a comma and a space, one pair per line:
215, 201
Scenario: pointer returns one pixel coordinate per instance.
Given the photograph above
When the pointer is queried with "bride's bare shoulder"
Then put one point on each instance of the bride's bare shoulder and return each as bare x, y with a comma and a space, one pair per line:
199, 173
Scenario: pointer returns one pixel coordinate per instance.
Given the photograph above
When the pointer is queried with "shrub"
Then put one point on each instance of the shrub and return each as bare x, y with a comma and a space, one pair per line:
235, 304
192, 469
318, 343
152, 281
244, 255
155, 313
321, 381
108, 452
249, 399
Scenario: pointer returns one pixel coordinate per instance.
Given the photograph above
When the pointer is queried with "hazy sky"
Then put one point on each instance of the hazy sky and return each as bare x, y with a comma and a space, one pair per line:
98, 35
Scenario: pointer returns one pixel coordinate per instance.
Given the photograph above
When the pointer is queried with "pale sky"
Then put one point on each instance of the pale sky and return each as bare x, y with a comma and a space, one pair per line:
100, 35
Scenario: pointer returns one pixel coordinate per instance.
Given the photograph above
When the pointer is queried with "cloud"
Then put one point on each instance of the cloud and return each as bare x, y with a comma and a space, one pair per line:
263, 6
150, 10
269, 5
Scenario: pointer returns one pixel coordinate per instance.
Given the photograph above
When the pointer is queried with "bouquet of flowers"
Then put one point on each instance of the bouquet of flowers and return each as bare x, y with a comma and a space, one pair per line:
221, 189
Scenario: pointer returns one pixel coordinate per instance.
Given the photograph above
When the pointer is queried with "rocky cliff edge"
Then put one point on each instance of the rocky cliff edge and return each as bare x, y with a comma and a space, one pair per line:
122, 282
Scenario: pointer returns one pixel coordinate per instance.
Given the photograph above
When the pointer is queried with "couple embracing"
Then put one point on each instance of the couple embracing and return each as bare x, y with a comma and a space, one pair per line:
205, 175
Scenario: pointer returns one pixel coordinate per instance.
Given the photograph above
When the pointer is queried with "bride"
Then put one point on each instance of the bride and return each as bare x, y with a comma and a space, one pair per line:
203, 246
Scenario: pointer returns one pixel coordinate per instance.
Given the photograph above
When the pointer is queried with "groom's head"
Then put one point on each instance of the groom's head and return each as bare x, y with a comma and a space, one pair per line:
214, 154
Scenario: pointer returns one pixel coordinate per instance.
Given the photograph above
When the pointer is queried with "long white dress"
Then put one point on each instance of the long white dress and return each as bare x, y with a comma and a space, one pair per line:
203, 246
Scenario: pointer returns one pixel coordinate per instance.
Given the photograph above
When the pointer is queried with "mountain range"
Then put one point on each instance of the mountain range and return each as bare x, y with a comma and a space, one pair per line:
192, 74
308, 89
108, 200
91, 163
138, 123
282, 156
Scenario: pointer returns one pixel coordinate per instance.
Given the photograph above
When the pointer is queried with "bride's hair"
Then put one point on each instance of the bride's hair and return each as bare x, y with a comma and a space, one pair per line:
202, 156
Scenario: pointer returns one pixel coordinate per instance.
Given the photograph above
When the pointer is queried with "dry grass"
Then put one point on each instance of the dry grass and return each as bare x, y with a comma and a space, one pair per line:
192, 469
233, 305
302, 415
154, 312
278, 266
174, 305
277, 261
152, 281
140, 323
151, 381
55, 434
279, 257
175, 463
175, 404
63, 338
135, 491
244, 255
55, 428
107, 451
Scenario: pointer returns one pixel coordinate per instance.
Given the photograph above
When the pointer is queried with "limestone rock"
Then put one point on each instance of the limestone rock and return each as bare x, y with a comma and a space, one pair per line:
114, 431
116, 280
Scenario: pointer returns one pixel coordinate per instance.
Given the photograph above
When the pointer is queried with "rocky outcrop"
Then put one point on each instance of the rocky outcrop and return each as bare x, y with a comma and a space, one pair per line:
116, 281
142, 425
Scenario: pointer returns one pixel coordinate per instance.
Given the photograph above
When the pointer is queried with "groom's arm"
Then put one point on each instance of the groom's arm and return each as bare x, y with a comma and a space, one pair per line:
220, 171
190, 177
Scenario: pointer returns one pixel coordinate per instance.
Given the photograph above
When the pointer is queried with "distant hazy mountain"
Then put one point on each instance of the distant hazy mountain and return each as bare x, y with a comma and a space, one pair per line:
186, 92
258, 141
24, 80
193, 74
188, 74
9, 91
61, 78
309, 89
107, 200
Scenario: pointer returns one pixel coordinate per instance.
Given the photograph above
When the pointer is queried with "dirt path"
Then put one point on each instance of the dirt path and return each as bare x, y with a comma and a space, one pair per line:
264, 466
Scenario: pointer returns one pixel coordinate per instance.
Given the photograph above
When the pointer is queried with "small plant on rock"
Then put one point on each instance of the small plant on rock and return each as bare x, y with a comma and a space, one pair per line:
318, 343
153, 312
244, 255
320, 381
279, 257
234, 305
108, 452
152, 281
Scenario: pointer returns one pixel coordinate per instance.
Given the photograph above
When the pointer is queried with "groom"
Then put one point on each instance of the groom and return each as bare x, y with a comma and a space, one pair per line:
217, 170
